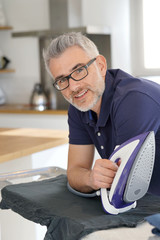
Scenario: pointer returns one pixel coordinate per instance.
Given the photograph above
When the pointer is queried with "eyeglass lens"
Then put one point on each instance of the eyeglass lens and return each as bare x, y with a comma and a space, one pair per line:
76, 75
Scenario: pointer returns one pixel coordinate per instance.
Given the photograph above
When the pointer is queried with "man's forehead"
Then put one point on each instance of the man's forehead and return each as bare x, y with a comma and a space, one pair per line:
69, 60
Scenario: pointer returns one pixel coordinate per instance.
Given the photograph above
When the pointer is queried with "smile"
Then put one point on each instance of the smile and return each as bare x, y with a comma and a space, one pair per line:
81, 94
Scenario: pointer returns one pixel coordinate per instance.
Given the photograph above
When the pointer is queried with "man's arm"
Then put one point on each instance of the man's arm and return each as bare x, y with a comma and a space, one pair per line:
80, 174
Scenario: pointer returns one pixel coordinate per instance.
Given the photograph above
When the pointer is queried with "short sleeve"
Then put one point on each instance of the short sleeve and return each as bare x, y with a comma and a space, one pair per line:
78, 133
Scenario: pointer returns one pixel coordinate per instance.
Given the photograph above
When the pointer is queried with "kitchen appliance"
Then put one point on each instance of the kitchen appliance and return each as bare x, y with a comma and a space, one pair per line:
38, 99
132, 179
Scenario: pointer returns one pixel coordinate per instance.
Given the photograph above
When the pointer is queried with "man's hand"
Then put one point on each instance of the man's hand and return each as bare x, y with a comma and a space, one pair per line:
103, 173
80, 174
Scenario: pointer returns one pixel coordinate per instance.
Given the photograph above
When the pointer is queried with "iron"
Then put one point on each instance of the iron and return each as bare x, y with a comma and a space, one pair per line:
133, 176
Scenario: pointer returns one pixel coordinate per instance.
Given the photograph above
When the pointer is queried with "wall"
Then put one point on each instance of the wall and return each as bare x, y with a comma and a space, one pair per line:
22, 15
115, 15
26, 15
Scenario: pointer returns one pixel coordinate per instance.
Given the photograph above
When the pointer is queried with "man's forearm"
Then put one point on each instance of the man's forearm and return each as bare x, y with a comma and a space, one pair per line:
80, 179
87, 180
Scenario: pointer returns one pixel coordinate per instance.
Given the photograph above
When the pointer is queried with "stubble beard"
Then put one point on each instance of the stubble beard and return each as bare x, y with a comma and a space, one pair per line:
97, 92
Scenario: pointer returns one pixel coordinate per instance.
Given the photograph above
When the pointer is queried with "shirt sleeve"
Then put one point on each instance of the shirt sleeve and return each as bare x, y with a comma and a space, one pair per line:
135, 114
78, 133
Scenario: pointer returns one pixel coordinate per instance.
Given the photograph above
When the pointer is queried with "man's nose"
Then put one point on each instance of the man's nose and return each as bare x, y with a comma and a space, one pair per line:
74, 85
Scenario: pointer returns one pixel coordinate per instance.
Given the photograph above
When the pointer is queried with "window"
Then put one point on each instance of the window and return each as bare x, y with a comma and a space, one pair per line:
145, 37
151, 33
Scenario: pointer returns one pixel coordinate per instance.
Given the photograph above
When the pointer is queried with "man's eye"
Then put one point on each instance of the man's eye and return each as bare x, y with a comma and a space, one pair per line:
79, 70
63, 80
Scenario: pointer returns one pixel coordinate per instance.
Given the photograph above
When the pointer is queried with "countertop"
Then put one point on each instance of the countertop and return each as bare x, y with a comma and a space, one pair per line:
26, 109
19, 142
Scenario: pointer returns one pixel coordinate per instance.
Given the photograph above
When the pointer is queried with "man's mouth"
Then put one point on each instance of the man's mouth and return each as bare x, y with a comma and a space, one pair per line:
81, 94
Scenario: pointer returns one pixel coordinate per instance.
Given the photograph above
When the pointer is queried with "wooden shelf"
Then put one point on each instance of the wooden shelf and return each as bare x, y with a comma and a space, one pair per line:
7, 70
5, 28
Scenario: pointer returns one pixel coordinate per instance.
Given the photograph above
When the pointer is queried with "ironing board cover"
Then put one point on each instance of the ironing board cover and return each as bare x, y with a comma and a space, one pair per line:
67, 216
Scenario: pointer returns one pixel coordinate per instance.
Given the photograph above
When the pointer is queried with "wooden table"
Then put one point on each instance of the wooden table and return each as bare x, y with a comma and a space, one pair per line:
16, 143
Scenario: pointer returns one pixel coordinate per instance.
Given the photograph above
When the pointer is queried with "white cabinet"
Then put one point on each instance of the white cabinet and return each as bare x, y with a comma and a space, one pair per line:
12, 225
48, 121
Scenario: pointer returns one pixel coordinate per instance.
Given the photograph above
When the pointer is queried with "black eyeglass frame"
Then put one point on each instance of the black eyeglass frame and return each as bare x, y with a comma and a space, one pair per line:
70, 75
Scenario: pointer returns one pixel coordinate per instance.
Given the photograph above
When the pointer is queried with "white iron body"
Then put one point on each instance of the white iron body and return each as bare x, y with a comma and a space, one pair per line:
133, 176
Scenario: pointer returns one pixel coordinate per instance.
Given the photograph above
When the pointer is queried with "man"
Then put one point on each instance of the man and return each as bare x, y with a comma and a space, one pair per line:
107, 107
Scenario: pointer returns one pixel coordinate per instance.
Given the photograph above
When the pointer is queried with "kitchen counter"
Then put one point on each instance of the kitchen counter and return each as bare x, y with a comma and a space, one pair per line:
24, 149
26, 109
16, 143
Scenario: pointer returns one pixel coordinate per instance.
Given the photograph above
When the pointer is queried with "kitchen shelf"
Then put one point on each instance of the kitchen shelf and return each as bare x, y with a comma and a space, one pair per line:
7, 70
5, 28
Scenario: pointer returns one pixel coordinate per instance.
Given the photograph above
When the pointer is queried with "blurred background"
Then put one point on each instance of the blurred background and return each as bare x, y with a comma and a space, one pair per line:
127, 33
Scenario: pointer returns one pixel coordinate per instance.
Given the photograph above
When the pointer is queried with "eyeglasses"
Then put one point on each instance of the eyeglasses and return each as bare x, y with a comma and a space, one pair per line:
77, 75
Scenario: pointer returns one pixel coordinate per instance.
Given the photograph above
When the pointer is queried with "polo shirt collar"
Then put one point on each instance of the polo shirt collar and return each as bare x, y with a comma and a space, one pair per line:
105, 105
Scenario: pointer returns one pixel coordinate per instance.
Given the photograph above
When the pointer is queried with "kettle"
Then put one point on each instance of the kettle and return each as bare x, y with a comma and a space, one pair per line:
38, 99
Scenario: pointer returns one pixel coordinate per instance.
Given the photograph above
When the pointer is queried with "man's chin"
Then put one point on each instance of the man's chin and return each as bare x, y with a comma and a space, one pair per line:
80, 108
85, 107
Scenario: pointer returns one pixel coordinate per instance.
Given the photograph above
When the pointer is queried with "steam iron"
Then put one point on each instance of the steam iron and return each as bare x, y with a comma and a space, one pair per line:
133, 176
132, 179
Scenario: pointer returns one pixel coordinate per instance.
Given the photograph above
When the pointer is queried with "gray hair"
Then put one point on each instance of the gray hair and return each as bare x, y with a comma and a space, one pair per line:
61, 43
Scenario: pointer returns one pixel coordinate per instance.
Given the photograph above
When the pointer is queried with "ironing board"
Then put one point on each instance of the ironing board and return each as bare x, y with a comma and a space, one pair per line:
66, 215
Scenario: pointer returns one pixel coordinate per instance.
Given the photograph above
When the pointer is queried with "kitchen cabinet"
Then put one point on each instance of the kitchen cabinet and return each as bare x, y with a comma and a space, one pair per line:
34, 119
7, 70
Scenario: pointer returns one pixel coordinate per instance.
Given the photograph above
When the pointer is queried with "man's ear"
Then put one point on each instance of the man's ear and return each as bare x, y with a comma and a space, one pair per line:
102, 64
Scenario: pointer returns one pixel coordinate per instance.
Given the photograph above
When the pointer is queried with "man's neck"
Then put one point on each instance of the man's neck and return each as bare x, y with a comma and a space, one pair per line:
97, 107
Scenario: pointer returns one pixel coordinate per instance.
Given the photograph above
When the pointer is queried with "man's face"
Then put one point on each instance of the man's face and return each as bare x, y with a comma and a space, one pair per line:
86, 93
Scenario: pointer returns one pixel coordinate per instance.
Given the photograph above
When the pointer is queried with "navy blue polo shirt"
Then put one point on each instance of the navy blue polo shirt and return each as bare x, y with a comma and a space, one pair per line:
130, 106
